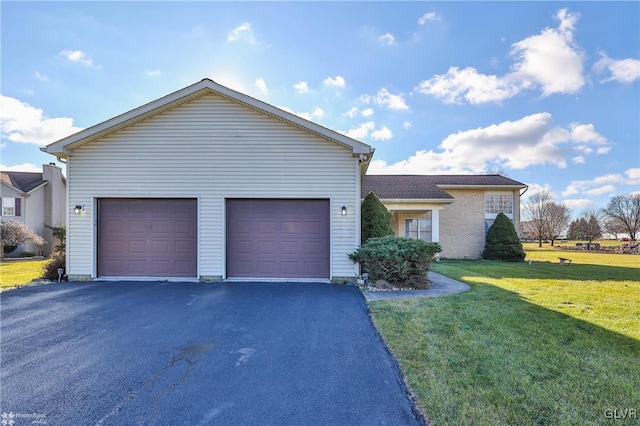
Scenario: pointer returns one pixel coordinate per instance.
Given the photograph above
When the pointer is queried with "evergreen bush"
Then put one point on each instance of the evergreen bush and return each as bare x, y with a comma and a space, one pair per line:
399, 261
502, 241
376, 219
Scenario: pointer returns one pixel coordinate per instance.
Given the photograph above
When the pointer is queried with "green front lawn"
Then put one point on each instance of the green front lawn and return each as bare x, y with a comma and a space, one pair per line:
528, 344
18, 273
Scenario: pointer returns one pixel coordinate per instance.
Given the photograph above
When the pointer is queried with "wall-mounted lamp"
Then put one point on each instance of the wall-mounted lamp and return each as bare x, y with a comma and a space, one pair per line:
343, 210
79, 209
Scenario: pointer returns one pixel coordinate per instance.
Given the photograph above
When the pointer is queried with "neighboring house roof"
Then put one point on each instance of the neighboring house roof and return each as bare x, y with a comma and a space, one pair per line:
22, 181
64, 147
430, 187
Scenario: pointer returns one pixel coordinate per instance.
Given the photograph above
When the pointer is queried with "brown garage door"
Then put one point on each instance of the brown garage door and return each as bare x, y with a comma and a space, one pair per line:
278, 238
147, 237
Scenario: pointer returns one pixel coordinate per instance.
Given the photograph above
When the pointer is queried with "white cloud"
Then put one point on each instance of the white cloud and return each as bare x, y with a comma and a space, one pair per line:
550, 61
368, 112
531, 140
262, 86
579, 204
41, 76
387, 39
361, 131
79, 56
469, 85
352, 112
301, 87
382, 134
242, 31
429, 16
534, 188
153, 73
338, 81
24, 167
406, 124
633, 175
317, 112
23, 123
385, 98
603, 184
578, 160
621, 70
606, 189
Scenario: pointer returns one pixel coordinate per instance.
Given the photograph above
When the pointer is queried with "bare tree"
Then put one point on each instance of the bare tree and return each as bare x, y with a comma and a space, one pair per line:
557, 220
626, 210
16, 233
536, 210
613, 226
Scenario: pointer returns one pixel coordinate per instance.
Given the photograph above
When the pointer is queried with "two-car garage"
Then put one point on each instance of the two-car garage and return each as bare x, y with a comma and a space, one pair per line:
265, 238
207, 183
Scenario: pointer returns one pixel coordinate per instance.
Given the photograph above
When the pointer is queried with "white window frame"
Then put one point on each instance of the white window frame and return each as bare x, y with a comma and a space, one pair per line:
406, 227
508, 211
8, 204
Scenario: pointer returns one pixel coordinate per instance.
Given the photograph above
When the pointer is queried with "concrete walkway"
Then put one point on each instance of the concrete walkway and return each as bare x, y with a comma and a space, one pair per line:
440, 286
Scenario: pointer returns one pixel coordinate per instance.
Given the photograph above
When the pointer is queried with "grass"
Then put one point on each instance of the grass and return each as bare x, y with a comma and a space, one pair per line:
528, 344
13, 274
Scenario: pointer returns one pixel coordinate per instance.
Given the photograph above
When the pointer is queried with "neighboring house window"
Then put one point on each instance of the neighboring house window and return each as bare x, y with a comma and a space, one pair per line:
495, 204
10, 206
419, 228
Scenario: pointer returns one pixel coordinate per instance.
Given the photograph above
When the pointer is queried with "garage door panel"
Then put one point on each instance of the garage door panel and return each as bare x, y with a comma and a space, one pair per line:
289, 247
265, 247
266, 238
113, 226
147, 237
134, 247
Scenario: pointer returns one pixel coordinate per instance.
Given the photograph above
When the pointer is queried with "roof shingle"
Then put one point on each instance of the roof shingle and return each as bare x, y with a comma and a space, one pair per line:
428, 186
24, 181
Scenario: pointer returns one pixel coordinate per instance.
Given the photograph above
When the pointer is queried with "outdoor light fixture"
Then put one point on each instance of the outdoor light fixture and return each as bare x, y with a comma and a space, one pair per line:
79, 209
343, 210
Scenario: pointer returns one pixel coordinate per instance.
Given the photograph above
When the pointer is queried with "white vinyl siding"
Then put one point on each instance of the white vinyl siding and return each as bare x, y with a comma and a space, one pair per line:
212, 149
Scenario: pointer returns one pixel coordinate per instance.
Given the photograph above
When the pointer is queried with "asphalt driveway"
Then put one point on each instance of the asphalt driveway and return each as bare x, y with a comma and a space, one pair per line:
114, 353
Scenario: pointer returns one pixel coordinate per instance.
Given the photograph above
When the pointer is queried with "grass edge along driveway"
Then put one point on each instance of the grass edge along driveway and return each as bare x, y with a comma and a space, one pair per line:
528, 344
13, 274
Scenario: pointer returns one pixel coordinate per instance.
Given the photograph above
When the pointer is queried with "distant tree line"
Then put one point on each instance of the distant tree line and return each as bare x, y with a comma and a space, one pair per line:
545, 219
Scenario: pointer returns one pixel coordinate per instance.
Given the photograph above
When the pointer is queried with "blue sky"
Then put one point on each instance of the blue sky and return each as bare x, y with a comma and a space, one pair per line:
547, 92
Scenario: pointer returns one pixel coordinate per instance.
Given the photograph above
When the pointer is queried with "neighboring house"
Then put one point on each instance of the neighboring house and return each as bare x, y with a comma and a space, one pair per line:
207, 183
454, 210
34, 199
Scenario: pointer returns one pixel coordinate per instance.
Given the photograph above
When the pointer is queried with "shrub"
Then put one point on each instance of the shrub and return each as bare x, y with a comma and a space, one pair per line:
399, 261
503, 242
27, 254
376, 219
16, 233
50, 269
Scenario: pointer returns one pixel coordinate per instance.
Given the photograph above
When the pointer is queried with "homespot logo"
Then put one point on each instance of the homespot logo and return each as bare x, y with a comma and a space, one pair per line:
11, 418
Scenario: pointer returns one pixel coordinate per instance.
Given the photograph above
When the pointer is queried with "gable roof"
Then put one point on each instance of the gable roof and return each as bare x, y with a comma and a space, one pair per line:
431, 187
65, 146
22, 181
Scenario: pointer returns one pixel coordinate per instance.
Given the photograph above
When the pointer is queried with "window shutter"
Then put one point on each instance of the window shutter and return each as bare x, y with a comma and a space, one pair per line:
18, 206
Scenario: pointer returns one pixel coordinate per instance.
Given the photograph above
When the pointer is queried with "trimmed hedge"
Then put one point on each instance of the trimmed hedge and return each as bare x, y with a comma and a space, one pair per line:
376, 219
399, 261
503, 242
